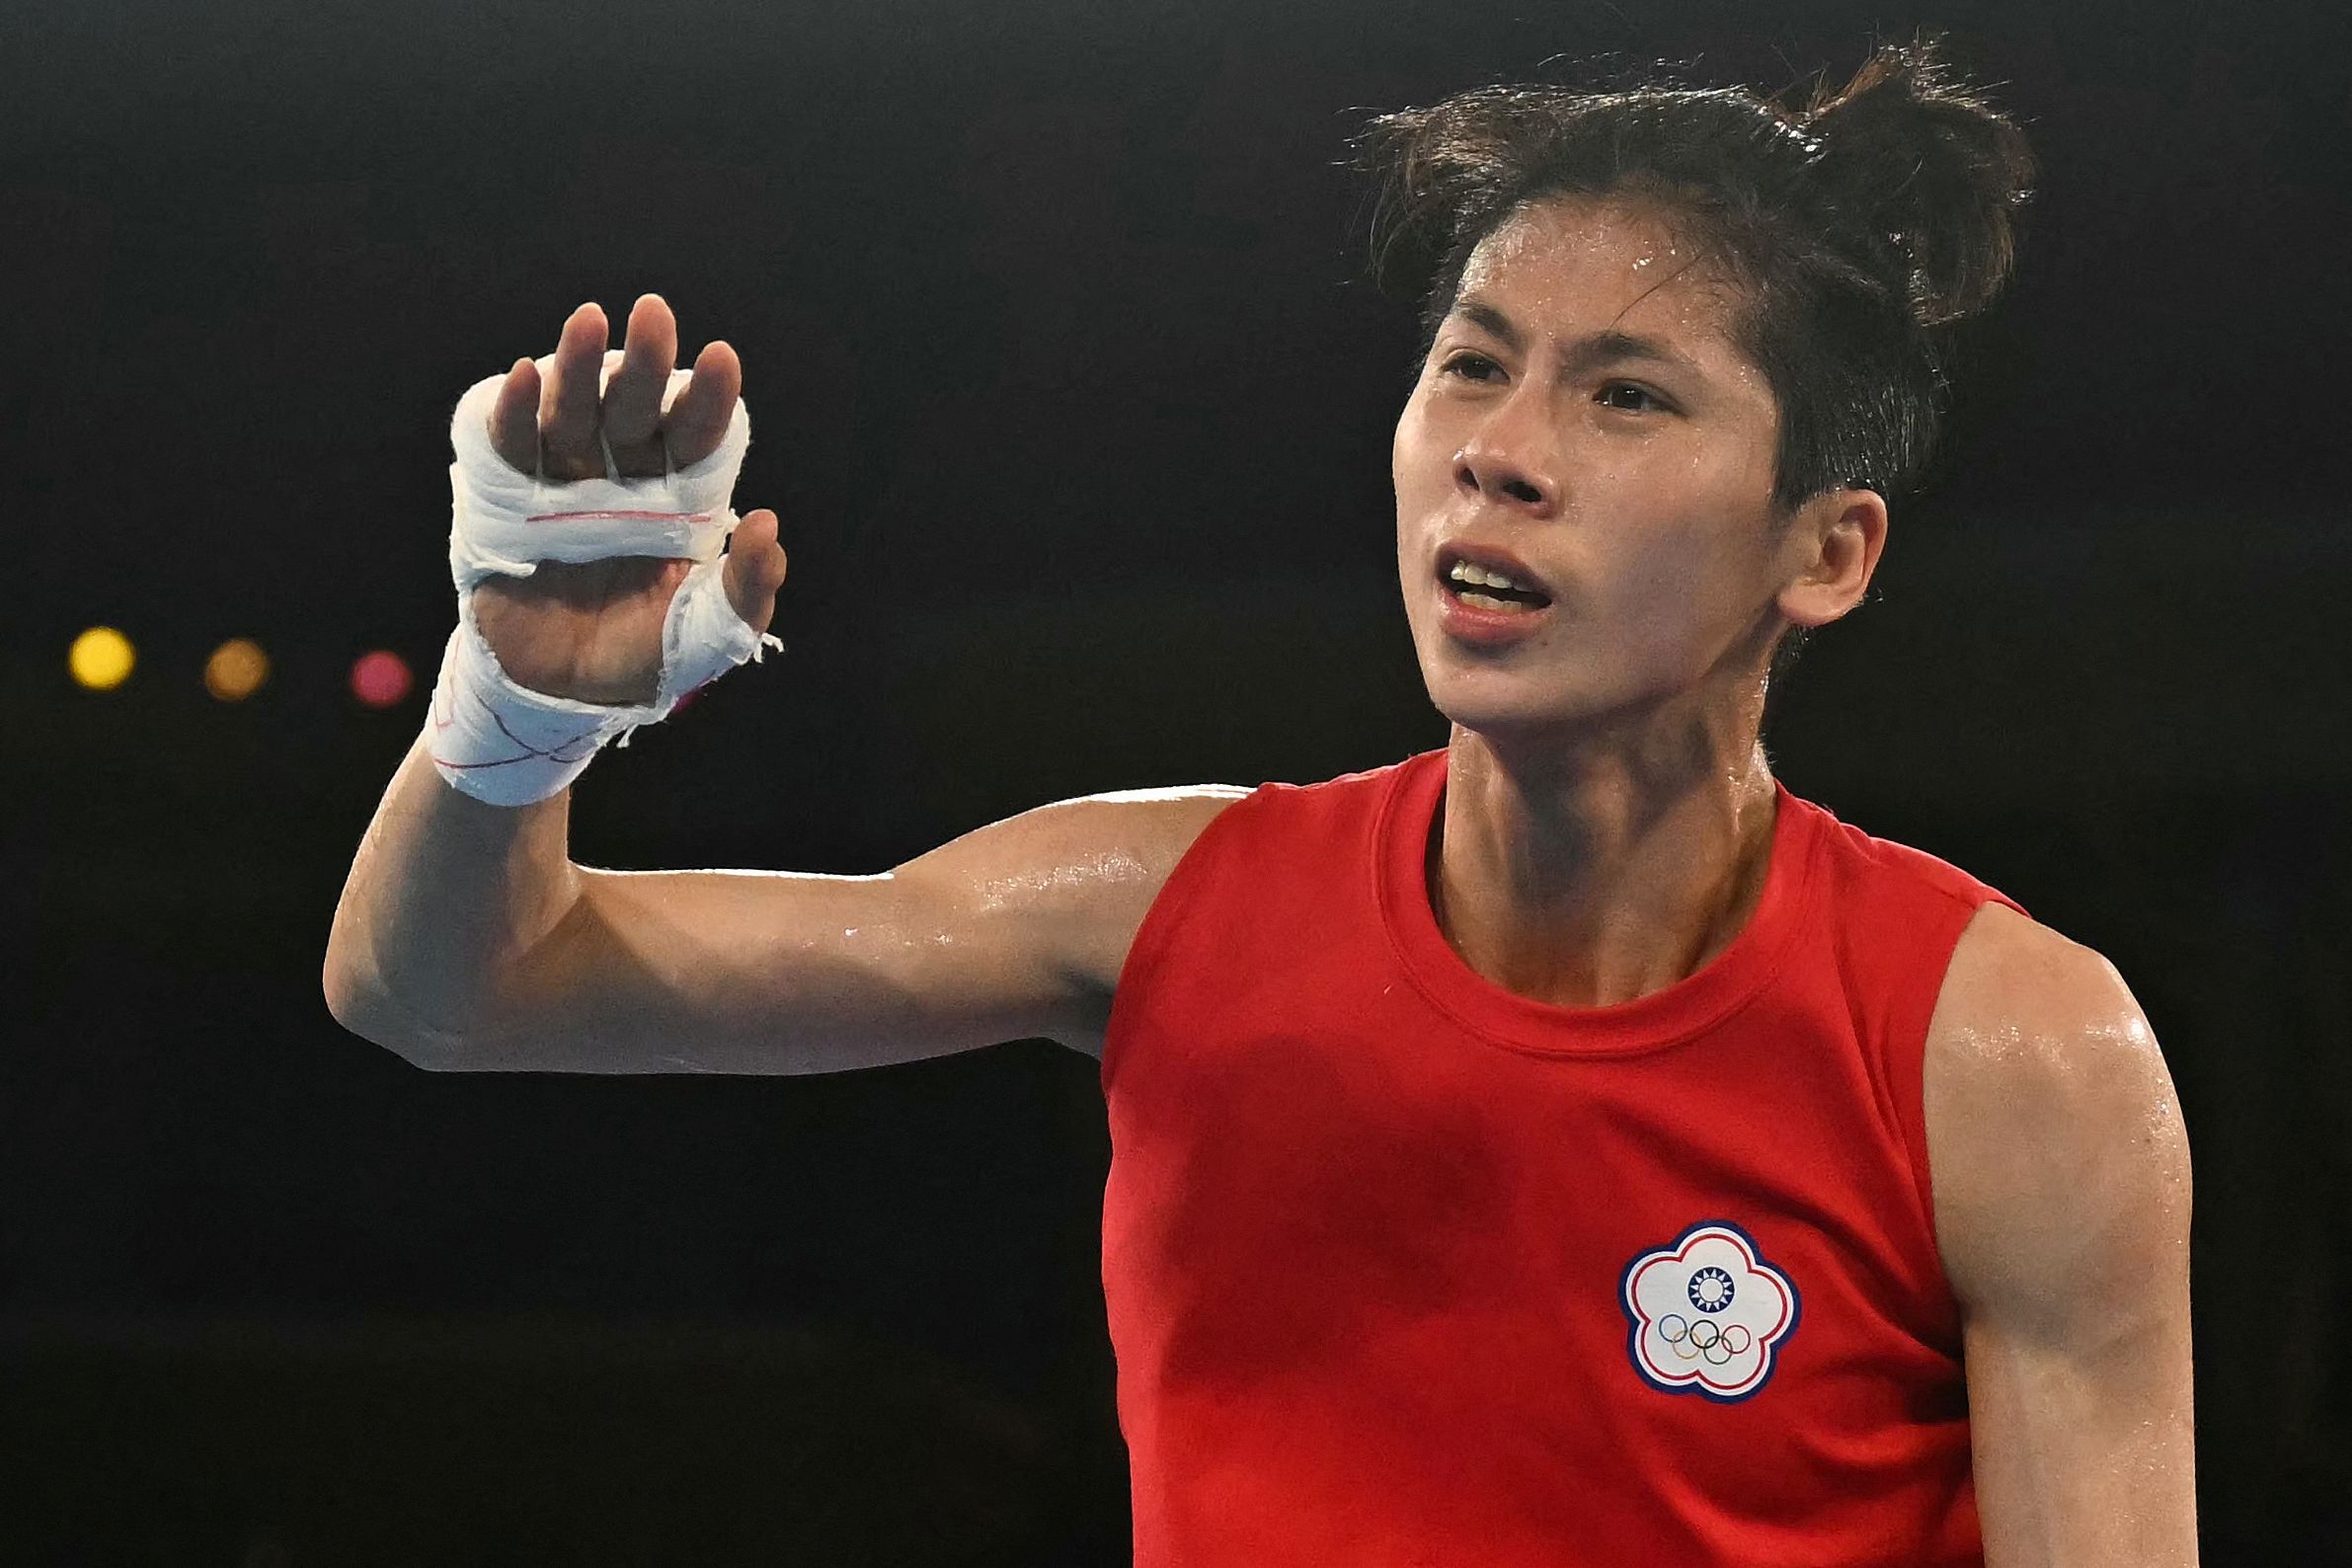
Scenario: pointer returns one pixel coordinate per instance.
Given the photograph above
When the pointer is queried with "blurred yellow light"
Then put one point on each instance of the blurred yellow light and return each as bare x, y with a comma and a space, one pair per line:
236, 670
101, 658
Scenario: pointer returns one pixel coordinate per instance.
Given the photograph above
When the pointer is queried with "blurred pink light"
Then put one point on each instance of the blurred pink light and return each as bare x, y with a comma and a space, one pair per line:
380, 679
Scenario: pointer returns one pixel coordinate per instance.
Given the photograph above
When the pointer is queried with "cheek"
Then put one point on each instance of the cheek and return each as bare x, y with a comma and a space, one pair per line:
1400, 451
1674, 584
1415, 461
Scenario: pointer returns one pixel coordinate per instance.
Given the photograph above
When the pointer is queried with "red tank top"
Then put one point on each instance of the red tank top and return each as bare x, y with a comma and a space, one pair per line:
1403, 1267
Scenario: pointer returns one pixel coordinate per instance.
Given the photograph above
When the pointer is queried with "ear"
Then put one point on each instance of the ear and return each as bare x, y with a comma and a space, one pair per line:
1833, 550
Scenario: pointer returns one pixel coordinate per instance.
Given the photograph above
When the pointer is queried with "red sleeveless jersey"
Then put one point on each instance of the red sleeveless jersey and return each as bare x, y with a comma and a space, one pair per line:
1403, 1267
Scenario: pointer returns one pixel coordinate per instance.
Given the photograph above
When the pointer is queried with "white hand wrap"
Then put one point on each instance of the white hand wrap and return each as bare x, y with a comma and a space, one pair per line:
502, 743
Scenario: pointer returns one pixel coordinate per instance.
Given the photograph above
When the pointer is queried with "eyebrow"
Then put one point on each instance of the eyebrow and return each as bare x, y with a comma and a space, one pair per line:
1607, 347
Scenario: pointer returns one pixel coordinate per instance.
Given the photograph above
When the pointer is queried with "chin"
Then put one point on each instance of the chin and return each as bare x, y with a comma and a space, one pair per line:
1499, 704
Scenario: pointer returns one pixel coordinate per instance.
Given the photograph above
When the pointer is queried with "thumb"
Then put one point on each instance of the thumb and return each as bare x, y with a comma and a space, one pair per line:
754, 569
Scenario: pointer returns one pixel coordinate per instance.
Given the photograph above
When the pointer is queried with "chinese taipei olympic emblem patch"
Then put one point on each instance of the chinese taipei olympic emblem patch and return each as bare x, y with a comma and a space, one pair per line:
1707, 1313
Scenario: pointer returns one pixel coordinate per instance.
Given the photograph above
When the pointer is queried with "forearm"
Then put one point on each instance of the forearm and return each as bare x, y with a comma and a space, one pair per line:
445, 898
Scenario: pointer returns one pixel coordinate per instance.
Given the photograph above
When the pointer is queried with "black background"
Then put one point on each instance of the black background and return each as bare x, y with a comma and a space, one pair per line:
1076, 409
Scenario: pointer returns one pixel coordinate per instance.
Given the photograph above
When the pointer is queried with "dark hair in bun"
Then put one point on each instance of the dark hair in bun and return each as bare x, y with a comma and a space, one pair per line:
1859, 224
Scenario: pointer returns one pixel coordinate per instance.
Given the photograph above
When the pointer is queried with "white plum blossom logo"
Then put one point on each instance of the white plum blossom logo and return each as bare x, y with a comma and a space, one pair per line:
1707, 1312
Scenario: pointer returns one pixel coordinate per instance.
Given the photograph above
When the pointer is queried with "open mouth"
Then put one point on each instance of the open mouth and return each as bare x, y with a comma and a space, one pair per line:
1482, 589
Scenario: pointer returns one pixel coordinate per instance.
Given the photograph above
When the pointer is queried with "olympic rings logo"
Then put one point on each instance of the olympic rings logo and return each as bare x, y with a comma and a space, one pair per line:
1702, 1340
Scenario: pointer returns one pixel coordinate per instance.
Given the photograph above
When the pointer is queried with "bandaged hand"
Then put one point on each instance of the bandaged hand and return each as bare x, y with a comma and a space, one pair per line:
590, 513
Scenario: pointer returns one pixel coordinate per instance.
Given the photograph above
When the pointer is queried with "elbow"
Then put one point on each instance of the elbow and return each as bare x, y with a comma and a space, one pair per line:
375, 1018
346, 1000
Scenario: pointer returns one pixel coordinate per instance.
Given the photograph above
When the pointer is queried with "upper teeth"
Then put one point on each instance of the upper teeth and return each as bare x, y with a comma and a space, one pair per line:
1472, 571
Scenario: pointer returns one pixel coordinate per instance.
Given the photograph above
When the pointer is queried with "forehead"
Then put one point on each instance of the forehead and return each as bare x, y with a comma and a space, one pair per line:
1569, 268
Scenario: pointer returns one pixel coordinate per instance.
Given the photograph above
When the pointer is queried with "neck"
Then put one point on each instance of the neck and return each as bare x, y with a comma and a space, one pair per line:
1589, 870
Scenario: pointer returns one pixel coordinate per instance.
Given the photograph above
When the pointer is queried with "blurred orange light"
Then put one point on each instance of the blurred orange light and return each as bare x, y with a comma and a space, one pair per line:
236, 670
380, 679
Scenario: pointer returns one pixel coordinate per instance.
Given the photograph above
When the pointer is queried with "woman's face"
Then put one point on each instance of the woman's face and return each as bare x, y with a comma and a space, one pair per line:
1583, 408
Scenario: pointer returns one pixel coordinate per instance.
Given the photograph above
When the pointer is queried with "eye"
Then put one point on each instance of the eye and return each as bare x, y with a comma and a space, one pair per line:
1461, 363
1615, 387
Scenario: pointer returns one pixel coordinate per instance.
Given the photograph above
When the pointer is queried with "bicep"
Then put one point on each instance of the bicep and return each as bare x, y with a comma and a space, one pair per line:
2061, 1179
1000, 934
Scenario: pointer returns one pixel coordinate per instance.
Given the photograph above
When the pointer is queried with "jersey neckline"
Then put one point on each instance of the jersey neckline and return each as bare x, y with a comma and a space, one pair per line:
1689, 1006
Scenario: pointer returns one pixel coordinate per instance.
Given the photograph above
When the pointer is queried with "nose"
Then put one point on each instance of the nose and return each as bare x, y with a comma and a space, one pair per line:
1509, 461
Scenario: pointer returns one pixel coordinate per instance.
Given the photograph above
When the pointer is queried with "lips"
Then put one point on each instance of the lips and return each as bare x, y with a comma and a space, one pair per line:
1466, 623
1494, 558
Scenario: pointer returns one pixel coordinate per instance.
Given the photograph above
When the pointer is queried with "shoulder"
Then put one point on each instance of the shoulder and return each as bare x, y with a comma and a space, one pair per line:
2023, 1008
1062, 888
2056, 1151
1094, 858
2011, 973
1145, 830
1060, 891
1143, 821
1882, 870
